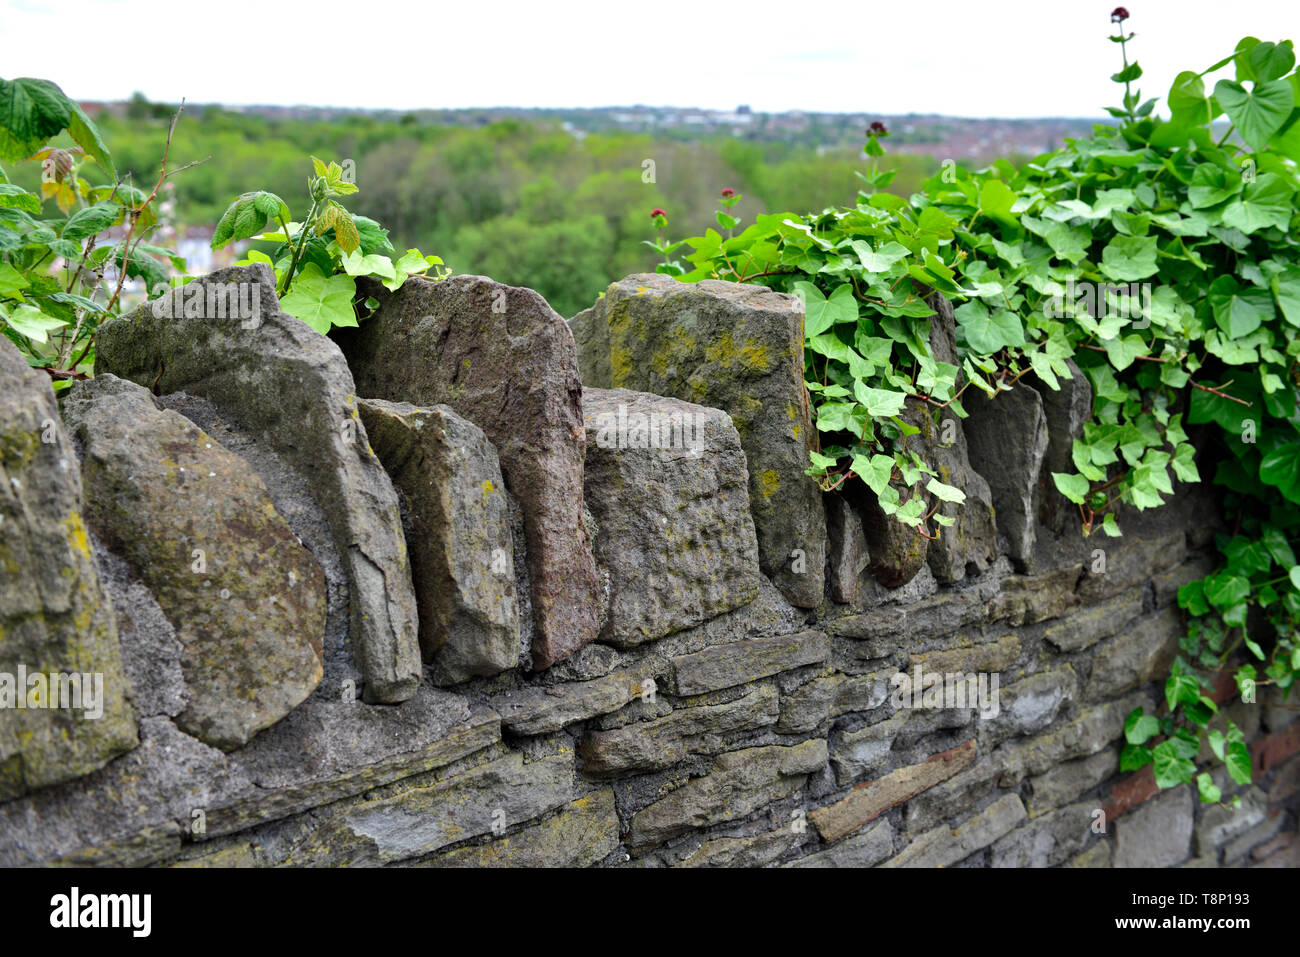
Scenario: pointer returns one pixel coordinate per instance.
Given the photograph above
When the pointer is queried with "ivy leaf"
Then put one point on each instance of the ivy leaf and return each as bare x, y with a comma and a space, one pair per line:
1259, 113
1171, 769
880, 403
1129, 258
1265, 202
1180, 688
1238, 762
1286, 287
1139, 727
1073, 487
1239, 310
821, 313
987, 333
945, 493
1281, 469
319, 301
1134, 757
1208, 790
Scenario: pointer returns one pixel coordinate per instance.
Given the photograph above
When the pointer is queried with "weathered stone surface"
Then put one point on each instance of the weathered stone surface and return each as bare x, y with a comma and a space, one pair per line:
55, 618
290, 386
1086, 627
1027, 599
458, 534
667, 485
1133, 561
1029, 705
1096, 856
738, 348
806, 707
739, 662
869, 800
662, 742
1237, 848
890, 626
1157, 833
756, 851
1008, 439
326, 750
992, 656
896, 552
1065, 410
959, 792
583, 833
1139, 654
1067, 781
943, 845
247, 601
740, 783
502, 358
1221, 823
969, 545
863, 850
416, 822
1093, 730
847, 553
1046, 841
541, 710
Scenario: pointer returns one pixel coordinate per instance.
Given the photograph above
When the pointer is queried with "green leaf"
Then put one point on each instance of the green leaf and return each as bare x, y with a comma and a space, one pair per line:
11, 280
1238, 762
91, 221
1171, 769
247, 216
1286, 287
880, 403
1134, 757
1139, 727
1209, 791
821, 313
1180, 688
86, 135
1239, 310
1281, 469
319, 301
987, 333
31, 111
1129, 258
15, 197
945, 493
33, 323
1259, 113
1265, 202
1072, 486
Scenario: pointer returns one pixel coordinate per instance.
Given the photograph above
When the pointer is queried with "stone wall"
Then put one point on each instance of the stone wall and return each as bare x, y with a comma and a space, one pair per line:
473, 586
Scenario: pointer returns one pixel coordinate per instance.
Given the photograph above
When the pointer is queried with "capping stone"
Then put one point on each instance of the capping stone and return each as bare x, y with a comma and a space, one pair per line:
290, 386
740, 662
251, 624
738, 348
55, 616
462, 552
675, 533
502, 358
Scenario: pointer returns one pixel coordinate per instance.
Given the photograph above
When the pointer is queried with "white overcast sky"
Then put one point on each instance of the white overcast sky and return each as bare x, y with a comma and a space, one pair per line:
1002, 58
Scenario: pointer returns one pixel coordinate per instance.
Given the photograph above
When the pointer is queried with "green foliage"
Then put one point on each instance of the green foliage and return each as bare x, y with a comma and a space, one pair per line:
59, 276
316, 262
1166, 264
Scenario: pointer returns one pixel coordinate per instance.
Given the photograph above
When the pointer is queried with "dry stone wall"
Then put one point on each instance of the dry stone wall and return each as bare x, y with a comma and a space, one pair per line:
473, 586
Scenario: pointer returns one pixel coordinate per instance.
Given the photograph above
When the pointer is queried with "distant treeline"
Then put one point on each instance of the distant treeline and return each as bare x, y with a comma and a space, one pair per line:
526, 204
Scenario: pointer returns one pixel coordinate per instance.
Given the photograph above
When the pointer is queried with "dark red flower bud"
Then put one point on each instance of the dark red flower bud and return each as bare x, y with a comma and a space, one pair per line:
1118, 15
657, 212
728, 192
877, 129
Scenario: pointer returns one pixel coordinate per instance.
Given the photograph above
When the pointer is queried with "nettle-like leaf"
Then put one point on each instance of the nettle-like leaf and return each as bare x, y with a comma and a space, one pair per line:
321, 301
248, 216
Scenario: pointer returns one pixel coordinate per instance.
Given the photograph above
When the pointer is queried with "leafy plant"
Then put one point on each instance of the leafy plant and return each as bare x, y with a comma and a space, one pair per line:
1165, 263
316, 261
59, 275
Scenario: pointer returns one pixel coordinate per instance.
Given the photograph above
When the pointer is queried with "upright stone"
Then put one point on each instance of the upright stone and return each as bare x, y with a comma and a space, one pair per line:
738, 348
970, 544
1067, 410
501, 357
196, 523
458, 531
55, 617
1008, 440
224, 338
666, 483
